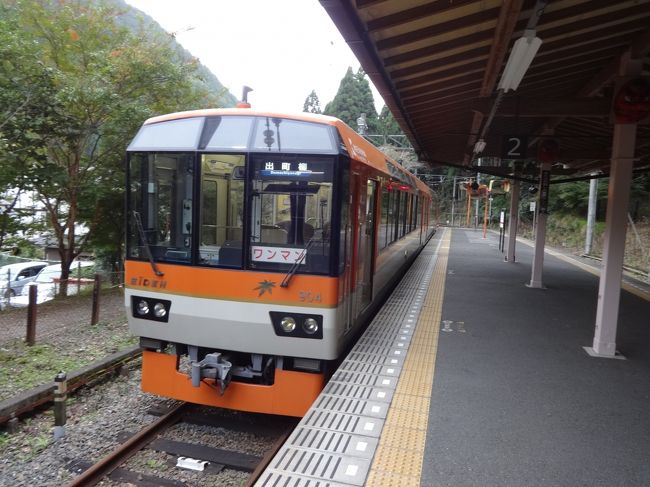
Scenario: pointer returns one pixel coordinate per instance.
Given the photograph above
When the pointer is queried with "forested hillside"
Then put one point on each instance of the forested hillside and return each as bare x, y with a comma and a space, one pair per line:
77, 79
138, 21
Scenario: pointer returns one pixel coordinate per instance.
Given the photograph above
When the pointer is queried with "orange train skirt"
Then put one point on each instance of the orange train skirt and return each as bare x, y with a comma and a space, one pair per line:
291, 394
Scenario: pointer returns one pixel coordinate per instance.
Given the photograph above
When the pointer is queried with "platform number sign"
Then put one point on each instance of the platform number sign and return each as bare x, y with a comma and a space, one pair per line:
514, 147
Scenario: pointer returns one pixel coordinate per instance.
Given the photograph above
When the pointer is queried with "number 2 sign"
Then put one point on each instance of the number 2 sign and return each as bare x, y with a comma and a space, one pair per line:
514, 147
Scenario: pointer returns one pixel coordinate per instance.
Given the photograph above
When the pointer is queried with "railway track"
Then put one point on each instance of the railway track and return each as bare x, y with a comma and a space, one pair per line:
32, 399
208, 461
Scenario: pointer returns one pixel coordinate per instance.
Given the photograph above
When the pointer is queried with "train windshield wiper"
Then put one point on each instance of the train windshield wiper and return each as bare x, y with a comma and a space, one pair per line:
294, 268
145, 244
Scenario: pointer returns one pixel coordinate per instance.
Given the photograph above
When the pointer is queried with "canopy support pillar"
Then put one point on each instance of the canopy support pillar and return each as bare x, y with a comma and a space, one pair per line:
540, 235
609, 289
513, 222
618, 197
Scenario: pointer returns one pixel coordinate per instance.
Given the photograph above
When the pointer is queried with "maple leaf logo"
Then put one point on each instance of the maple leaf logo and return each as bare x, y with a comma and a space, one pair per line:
265, 286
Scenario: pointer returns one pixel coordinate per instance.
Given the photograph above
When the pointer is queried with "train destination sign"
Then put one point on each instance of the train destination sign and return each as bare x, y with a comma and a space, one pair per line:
313, 169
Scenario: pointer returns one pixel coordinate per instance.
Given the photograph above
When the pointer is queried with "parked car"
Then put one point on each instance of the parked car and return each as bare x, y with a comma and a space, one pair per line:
14, 277
48, 282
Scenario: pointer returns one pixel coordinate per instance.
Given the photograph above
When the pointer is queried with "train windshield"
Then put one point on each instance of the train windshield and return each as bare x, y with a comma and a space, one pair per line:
160, 203
222, 209
291, 206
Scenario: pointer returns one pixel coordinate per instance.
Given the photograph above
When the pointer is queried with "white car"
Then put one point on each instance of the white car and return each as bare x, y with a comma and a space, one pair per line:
47, 282
14, 277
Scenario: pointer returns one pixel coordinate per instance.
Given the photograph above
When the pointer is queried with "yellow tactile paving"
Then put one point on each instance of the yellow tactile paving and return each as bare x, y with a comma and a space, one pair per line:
410, 402
404, 461
390, 479
398, 459
407, 419
424, 360
423, 368
421, 351
408, 385
396, 437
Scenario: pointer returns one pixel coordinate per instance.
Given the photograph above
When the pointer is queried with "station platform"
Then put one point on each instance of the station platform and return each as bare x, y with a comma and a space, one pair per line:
466, 377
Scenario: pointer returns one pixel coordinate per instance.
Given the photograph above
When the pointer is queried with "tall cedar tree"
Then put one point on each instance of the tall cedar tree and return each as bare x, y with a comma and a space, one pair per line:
352, 99
387, 123
312, 103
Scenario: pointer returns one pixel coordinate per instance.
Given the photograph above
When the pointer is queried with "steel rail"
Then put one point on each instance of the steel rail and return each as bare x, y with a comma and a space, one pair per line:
268, 456
122, 453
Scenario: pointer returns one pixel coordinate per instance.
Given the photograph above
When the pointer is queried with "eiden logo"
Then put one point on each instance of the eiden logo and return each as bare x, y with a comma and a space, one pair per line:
152, 283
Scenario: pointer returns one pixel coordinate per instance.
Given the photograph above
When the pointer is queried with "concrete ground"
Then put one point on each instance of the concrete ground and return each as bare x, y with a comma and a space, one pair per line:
516, 400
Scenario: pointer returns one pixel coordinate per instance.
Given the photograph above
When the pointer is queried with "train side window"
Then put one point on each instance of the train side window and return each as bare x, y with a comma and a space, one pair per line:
222, 206
405, 216
383, 226
402, 214
344, 227
412, 212
392, 215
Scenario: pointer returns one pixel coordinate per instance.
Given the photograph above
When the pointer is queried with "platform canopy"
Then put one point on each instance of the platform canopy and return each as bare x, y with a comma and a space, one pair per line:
439, 65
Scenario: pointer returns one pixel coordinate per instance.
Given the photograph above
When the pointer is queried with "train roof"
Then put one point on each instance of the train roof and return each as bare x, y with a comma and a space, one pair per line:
216, 112
358, 147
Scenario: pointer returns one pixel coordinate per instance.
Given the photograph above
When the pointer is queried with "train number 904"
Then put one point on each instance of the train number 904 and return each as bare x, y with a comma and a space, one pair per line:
309, 297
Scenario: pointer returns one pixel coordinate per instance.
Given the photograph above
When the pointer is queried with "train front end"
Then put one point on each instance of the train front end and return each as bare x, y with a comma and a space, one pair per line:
231, 269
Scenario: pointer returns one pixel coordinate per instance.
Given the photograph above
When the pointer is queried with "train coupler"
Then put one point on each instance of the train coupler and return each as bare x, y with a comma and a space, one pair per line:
213, 366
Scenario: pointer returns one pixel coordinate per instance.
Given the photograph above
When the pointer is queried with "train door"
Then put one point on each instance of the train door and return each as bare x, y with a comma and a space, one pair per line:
368, 248
347, 238
358, 203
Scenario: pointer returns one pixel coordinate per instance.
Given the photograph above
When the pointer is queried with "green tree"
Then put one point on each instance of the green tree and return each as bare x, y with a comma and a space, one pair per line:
352, 99
312, 104
387, 125
27, 117
640, 197
107, 79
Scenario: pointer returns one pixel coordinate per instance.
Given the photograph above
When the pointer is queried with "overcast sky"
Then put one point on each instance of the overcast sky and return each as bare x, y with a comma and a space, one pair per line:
282, 49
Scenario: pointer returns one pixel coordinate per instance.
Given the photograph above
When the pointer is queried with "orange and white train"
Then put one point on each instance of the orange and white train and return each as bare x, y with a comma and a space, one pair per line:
258, 244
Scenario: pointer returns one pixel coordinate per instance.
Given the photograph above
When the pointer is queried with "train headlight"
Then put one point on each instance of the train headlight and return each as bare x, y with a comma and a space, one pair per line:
310, 325
159, 310
288, 324
142, 308
297, 325
148, 308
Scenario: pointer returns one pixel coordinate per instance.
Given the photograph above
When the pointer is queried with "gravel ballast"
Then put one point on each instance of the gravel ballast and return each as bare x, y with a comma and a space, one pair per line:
96, 416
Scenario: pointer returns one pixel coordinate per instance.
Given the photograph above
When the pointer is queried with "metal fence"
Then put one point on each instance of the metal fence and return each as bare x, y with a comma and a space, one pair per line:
87, 302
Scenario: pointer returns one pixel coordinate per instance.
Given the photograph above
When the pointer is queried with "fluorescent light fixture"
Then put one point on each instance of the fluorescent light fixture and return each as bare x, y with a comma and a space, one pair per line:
521, 56
479, 146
